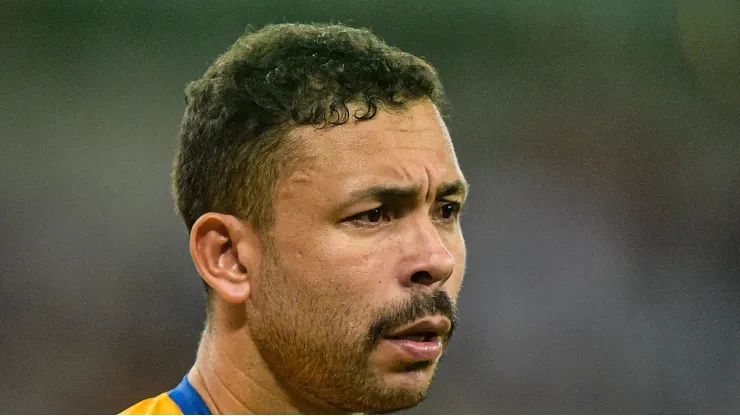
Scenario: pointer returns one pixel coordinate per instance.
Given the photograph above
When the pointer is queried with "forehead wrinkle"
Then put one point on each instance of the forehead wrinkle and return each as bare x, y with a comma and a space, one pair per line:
427, 135
431, 191
350, 149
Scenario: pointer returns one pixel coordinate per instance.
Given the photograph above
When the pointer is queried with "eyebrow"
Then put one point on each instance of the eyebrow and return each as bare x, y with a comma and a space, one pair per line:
457, 187
394, 195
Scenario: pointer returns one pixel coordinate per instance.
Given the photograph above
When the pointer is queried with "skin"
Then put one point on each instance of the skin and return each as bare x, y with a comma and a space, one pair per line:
291, 329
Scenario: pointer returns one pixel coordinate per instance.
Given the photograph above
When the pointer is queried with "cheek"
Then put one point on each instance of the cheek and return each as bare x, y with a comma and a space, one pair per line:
355, 268
339, 268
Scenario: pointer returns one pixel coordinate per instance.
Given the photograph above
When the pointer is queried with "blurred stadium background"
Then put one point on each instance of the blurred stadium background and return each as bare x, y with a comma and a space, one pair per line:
601, 138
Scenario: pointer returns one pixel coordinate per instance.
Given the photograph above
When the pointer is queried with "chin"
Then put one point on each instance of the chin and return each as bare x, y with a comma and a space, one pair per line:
408, 387
397, 392
391, 401
418, 381
397, 385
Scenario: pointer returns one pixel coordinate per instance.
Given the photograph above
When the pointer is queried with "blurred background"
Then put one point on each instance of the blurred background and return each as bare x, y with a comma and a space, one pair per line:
601, 139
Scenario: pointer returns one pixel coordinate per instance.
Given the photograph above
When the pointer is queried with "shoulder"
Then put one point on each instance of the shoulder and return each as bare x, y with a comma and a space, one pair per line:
160, 405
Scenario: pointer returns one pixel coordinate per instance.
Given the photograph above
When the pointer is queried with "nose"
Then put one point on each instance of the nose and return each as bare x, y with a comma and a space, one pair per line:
429, 261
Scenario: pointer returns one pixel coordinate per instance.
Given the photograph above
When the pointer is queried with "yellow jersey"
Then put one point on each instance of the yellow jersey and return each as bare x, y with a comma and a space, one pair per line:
182, 400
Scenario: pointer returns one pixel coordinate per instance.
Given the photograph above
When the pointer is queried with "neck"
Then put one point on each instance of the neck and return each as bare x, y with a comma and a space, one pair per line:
237, 380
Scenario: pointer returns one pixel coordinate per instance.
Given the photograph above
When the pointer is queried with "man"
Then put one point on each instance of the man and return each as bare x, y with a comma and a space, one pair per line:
322, 194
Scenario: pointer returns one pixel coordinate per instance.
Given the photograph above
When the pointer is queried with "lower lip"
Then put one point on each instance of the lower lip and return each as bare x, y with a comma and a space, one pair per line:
418, 350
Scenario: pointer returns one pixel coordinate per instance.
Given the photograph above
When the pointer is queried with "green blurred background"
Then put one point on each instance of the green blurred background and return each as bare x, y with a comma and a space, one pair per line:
601, 139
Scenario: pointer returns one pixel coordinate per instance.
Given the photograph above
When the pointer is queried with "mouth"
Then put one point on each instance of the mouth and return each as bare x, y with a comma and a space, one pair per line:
417, 337
424, 329
421, 341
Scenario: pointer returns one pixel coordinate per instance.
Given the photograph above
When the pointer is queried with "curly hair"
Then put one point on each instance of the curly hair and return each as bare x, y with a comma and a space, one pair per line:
234, 135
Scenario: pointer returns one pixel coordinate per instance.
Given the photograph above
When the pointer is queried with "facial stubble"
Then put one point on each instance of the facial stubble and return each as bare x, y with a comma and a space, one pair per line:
315, 348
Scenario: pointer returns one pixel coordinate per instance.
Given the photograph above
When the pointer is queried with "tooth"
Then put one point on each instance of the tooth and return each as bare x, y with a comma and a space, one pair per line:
416, 338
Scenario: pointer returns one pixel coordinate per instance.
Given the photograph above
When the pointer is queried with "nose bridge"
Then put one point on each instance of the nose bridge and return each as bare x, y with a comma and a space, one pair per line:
429, 250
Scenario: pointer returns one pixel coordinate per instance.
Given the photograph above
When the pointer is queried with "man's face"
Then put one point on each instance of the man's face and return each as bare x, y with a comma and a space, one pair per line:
366, 245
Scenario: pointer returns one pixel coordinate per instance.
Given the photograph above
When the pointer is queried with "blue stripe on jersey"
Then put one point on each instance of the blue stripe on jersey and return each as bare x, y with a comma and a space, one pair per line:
187, 399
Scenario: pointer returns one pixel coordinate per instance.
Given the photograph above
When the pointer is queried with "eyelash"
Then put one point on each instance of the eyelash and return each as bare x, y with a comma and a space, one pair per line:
454, 216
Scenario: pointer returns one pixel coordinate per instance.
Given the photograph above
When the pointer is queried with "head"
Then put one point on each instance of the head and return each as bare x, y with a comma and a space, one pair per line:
322, 194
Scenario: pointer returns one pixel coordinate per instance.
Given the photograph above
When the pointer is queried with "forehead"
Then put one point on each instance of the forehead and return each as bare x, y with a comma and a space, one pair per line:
407, 147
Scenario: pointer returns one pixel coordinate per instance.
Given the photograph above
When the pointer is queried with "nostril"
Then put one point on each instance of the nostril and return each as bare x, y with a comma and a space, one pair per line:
423, 278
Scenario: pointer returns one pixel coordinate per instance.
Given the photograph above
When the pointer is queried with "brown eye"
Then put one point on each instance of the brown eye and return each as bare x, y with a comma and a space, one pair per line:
448, 210
374, 215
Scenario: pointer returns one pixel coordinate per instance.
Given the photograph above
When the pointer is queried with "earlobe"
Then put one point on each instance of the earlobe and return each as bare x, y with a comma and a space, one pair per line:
216, 241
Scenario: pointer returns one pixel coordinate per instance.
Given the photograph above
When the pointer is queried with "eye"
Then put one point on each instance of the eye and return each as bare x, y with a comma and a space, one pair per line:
372, 217
449, 210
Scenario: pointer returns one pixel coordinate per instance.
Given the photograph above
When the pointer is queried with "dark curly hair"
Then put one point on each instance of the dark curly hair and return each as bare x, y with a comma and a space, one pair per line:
233, 136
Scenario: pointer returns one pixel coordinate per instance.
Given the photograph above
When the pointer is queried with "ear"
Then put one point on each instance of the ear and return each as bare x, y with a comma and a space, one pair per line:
226, 252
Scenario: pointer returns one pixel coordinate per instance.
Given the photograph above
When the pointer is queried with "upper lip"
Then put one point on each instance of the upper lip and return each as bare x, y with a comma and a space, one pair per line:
437, 324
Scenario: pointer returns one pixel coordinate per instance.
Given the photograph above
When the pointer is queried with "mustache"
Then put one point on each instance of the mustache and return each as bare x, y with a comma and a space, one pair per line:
416, 307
